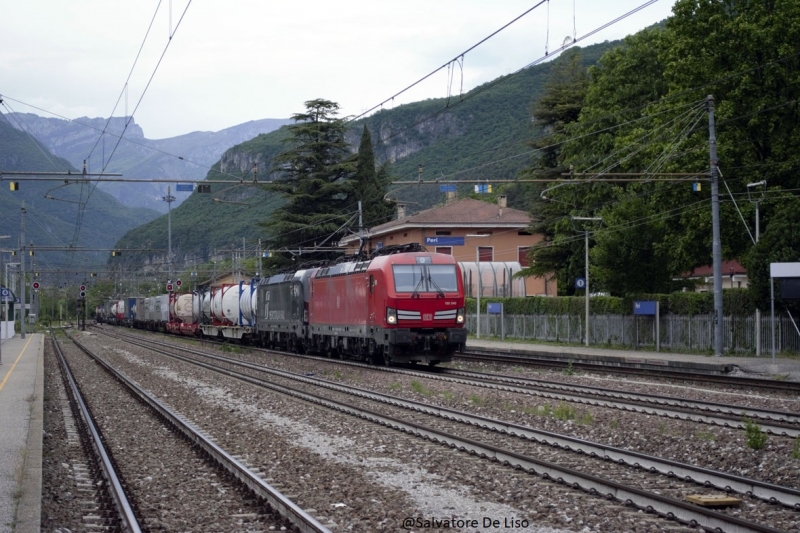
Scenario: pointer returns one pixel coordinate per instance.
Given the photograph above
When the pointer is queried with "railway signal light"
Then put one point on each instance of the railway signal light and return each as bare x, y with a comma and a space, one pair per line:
169, 287
178, 284
35, 285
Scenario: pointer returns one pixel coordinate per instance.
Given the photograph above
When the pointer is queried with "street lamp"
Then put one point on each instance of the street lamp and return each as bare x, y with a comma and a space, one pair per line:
755, 193
5, 303
586, 238
480, 284
169, 199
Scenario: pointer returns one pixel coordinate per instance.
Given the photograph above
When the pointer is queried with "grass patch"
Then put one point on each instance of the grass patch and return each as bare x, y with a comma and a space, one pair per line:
477, 401
614, 424
705, 435
394, 386
545, 410
564, 411
231, 348
570, 370
796, 449
448, 395
418, 387
756, 438
585, 419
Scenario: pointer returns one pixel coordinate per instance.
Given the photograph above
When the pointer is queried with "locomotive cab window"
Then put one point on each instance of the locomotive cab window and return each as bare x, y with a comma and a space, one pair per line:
425, 278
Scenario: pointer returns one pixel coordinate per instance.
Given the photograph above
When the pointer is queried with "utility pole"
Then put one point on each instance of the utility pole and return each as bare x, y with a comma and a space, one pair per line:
22, 268
169, 199
3, 320
586, 271
716, 242
755, 199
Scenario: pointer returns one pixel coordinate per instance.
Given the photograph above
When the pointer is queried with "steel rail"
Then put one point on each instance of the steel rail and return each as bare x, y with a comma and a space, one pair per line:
125, 512
768, 424
286, 507
715, 407
769, 492
643, 369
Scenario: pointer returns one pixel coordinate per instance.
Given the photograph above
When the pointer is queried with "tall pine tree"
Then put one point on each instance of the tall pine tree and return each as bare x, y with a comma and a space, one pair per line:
371, 184
313, 175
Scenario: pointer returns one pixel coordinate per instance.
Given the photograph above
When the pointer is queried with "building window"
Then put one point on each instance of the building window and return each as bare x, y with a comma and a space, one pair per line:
522, 256
447, 250
485, 253
443, 232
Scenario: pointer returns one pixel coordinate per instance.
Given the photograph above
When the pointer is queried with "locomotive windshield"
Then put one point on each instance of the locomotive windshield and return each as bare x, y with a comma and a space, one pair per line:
425, 278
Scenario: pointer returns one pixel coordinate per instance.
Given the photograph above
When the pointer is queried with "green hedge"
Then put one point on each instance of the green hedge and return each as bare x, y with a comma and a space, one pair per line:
734, 302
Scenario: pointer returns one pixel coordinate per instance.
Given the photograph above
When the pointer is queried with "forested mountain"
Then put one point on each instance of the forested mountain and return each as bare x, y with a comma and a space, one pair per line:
481, 135
77, 214
188, 156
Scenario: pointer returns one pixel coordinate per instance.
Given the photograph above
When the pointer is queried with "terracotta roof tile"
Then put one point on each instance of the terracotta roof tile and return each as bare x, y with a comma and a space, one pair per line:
461, 213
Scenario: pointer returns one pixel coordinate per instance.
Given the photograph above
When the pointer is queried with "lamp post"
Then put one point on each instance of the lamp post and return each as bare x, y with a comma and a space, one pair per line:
586, 239
169, 199
480, 284
5, 303
755, 199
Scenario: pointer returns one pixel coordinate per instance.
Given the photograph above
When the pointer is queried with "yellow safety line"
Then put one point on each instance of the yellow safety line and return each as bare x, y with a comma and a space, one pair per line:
3, 383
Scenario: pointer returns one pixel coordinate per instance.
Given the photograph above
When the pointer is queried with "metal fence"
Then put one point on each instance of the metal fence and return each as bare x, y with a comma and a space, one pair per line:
676, 332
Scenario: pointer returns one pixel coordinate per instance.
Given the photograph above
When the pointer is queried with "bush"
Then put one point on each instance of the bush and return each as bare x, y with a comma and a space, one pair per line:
735, 302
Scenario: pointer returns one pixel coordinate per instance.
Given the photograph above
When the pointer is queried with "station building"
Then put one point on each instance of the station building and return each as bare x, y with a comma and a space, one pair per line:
490, 240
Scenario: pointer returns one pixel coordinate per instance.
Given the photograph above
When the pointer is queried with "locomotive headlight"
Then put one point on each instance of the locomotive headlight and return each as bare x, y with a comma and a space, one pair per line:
460, 316
391, 315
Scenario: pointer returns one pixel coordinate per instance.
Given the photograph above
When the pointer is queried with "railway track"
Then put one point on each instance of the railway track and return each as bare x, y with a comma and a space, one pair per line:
785, 423
104, 503
653, 371
185, 439
524, 448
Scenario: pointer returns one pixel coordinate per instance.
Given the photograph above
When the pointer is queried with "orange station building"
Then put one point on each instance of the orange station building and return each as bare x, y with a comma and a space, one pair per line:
472, 231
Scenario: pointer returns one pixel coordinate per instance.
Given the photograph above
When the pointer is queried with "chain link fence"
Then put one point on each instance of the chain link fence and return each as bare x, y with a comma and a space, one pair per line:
677, 333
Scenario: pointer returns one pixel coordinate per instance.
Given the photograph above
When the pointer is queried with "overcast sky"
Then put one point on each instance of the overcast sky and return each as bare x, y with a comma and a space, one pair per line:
231, 61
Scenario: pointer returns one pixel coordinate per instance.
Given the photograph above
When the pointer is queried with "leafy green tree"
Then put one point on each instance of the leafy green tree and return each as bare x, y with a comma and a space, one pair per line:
645, 111
745, 55
629, 256
370, 184
559, 106
313, 175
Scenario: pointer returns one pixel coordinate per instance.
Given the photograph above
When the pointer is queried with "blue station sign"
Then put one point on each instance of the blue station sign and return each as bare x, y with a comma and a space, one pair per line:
444, 241
184, 187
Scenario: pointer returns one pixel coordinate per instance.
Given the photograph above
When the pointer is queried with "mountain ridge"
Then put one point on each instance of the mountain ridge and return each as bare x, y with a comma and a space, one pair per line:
189, 156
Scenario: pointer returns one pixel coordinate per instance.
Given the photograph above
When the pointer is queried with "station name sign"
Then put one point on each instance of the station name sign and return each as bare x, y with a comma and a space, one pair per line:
444, 241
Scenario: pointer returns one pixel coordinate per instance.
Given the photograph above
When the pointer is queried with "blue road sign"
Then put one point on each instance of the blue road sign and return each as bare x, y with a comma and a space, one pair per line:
580, 283
447, 188
494, 308
184, 187
644, 307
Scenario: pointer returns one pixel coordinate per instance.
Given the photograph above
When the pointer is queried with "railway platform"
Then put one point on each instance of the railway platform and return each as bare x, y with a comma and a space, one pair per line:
21, 416
785, 368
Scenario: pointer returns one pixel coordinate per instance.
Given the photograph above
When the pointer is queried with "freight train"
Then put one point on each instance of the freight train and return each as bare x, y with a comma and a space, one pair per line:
402, 305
